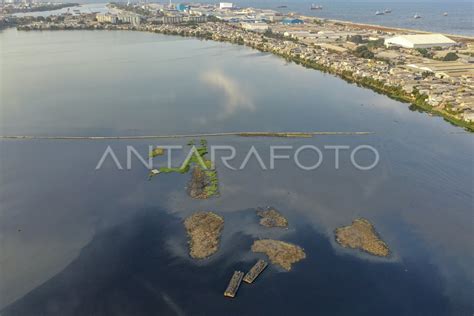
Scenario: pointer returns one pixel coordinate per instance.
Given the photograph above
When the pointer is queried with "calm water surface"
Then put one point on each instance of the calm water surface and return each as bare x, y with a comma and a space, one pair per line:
80, 241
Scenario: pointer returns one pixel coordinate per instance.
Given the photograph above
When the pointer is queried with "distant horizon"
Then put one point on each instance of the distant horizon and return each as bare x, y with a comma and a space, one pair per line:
448, 2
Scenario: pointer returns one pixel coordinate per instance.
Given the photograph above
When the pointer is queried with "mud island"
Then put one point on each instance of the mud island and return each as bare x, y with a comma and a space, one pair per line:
270, 217
203, 183
362, 235
204, 231
279, 252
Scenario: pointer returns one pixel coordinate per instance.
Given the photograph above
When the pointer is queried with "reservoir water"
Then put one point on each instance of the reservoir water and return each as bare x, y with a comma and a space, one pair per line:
81, 241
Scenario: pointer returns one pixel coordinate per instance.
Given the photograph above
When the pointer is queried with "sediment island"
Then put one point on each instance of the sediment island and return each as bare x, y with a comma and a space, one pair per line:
204, 232
361, 235
204, 182
270, 217
437, 80
280, 253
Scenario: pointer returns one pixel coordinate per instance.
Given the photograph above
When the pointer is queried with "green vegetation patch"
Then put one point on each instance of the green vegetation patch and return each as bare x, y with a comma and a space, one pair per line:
204, 182
158, 151
451, 57
363, 52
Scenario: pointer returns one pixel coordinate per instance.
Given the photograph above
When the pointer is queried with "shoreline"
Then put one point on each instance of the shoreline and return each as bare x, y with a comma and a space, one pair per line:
458, 37
43, 8
418, 102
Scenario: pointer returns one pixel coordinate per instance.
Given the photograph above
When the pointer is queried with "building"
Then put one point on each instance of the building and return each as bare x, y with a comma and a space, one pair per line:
255, 27
172, 19
181, 7
225, 5
133, 19
420, 41
292, 21
445, 69
195, 19
106, 18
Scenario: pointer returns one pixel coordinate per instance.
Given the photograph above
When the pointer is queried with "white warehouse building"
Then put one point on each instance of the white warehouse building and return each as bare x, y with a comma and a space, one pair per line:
255, 27
420, 41
225, 5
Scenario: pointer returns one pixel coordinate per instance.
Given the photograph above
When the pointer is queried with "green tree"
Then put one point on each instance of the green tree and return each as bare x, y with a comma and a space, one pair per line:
355, 39
363, 52
451, 57
424, 52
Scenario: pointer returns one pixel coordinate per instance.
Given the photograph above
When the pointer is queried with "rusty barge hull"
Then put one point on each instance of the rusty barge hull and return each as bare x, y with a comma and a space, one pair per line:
234, 284
255, 271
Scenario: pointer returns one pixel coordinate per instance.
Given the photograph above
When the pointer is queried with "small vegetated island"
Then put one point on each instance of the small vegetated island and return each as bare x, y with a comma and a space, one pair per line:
204, 232
270, 217
204, 182
361, 235
279, 252
158, 151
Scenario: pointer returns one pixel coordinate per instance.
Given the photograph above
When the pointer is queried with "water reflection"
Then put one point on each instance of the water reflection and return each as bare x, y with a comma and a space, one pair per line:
126, 270
236, 98
79, 240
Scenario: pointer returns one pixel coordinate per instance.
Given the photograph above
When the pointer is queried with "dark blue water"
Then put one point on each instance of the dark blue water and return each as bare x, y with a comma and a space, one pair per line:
126, 271
81, 241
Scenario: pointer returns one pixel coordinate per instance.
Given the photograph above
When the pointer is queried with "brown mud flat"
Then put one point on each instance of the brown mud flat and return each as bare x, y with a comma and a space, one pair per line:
270, 217
204, 231
361, 235
279, 252
203, 183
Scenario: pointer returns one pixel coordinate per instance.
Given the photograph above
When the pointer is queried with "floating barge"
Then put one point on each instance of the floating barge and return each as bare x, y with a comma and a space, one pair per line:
255, 271
234, 284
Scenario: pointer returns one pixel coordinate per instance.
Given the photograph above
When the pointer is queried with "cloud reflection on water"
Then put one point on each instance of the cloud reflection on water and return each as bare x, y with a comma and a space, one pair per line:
236, 98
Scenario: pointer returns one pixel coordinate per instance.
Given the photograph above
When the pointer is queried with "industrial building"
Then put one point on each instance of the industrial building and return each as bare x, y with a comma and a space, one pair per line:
419, 41
225, 5
182, 7
106, 18
292, 21
131, 18
443, 69
255, 27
